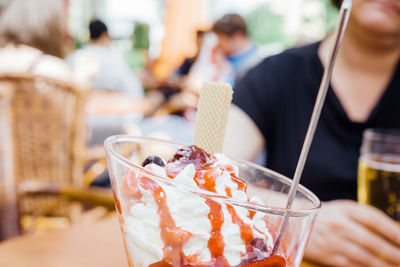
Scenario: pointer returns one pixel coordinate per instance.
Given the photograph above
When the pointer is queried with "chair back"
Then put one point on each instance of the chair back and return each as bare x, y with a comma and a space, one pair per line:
49, 133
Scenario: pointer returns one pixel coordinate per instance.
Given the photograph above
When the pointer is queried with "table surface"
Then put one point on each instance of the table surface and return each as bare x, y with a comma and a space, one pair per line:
98, 245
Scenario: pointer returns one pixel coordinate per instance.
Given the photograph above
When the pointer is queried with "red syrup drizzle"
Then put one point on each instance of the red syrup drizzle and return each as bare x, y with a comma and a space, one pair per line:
241, 185
246, 232
253, 253
205, 179
174, 237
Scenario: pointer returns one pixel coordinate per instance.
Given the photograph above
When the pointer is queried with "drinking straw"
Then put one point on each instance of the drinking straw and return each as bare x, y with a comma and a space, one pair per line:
340, 29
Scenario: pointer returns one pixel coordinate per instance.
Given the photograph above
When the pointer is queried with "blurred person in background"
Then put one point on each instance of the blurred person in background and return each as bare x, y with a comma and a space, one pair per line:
187, 64
235, 44
110, 71
226, 55
211, 65
276, 100
32, 38
177, 80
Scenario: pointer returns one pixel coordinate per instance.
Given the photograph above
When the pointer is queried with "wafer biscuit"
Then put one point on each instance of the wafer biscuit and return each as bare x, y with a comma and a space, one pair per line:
212, 115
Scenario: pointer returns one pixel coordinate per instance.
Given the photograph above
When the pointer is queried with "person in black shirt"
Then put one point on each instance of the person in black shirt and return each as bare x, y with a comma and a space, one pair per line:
279, 94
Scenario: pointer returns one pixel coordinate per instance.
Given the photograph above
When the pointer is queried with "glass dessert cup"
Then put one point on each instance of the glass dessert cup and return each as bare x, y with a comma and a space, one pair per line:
167, 222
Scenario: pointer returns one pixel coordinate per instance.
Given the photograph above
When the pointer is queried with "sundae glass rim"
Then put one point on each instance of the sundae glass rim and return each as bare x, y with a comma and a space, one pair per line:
293, 212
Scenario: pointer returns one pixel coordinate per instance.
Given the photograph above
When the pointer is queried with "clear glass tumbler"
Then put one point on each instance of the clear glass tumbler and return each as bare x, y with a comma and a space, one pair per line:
379, 171
184, 212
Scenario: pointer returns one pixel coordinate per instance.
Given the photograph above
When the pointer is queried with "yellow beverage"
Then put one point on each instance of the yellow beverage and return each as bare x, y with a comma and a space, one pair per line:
379, 183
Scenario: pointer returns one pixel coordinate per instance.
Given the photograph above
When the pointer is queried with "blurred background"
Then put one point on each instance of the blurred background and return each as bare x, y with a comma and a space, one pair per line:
136, 70
157, 25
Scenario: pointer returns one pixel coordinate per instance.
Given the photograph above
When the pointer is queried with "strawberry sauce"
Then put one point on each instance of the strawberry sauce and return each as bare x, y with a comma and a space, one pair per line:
205, 179
172, 236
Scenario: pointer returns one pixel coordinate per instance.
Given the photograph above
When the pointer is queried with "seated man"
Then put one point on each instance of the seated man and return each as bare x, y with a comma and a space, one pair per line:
111, 72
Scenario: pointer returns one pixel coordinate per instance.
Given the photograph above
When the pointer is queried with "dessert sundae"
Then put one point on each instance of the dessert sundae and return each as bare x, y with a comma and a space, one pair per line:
191, 208
167, 226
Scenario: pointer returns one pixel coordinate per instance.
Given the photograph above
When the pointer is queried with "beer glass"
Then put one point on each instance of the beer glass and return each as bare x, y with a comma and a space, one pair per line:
379, 171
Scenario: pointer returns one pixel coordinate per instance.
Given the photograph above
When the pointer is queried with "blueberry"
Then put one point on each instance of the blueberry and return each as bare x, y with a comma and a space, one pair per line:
153, 159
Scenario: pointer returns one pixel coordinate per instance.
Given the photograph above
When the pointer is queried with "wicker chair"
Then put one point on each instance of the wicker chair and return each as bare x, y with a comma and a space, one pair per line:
9, 225
49, 142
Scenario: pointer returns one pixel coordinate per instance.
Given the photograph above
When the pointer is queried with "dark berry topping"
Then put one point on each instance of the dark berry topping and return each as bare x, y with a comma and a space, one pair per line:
260, 244
153, 159
257, 253
270, 261
192, 154
188, 155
